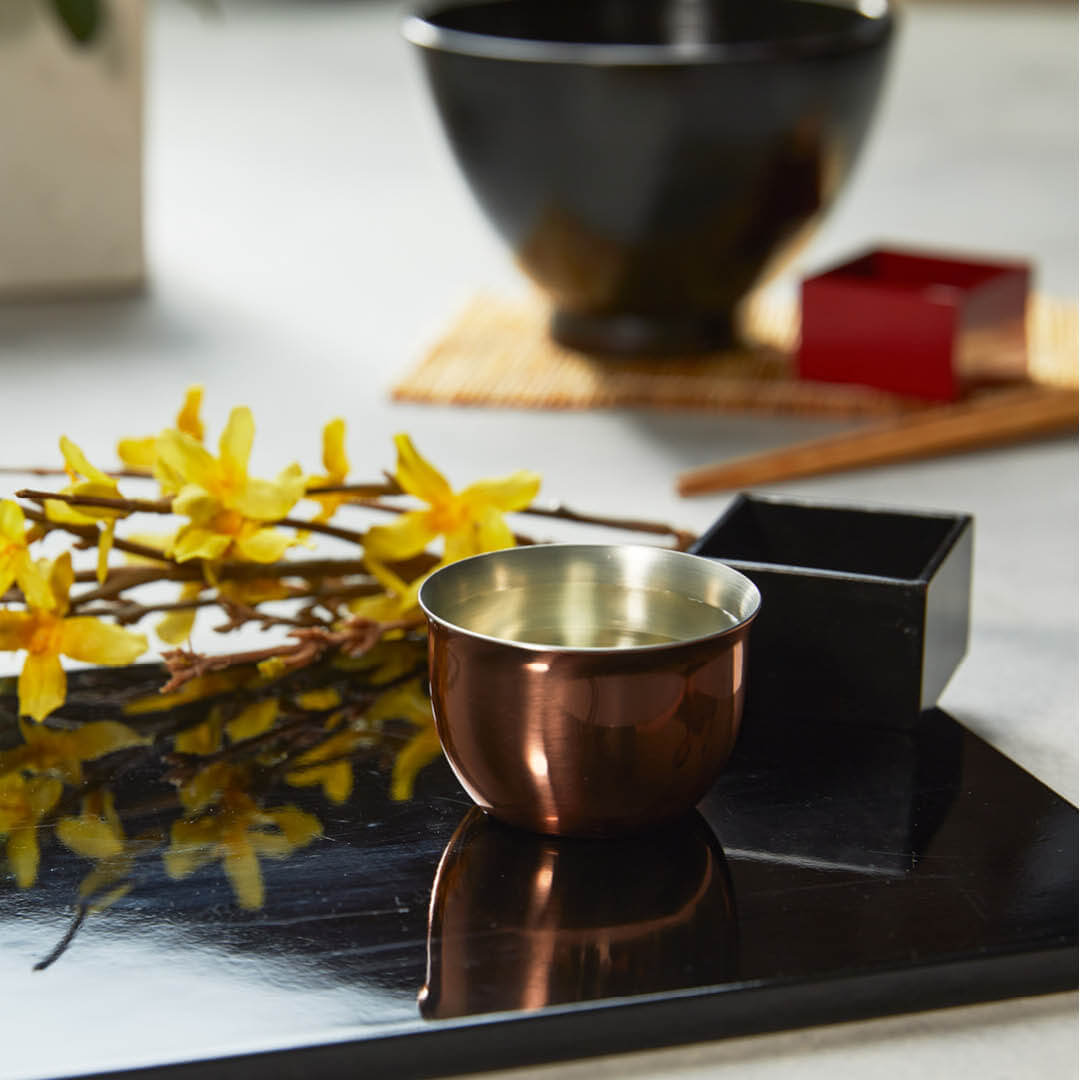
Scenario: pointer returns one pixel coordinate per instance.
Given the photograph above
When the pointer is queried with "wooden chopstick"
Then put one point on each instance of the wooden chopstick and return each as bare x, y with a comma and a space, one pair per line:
990, 419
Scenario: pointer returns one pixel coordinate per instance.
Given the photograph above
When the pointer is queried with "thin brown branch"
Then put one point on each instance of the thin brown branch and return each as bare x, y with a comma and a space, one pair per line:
241, 614
62, 945
321, 527
37, 470
367, 491
103, 502
88, 534
657, 528
356, 637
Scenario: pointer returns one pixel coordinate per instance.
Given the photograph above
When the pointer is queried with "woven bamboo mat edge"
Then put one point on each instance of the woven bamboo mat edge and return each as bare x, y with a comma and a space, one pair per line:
497, 353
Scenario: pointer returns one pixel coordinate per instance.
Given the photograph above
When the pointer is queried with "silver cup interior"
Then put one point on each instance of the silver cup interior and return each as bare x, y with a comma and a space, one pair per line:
589, 596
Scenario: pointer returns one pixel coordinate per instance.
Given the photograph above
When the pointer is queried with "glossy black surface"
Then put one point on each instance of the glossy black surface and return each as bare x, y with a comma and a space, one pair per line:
864, 611
847, 872
648, 162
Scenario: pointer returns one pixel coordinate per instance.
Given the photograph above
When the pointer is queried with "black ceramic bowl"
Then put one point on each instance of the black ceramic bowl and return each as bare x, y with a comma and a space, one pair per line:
649, 161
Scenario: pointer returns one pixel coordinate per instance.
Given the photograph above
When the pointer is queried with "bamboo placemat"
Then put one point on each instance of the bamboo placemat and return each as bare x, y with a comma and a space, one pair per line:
498, 353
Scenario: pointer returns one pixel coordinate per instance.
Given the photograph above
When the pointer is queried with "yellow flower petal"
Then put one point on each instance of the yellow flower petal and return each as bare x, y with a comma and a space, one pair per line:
253, 720
416, 475
405, 702
242, 869
105, 543
43, 793
15, 630
235, 445
90, 837
325, 697
513, 492
338, 784
97, 490
12, 522
187, 458
61, 577
97, 642
169, 480
42, 685
23, 855
76, 461
197, 503
422, 749
334, 459
202, 739
188, 419
102, 737
203, 686
138, 453
175, 627
268, 500
490, 531
195, 542
273, 668
403, 538
298, 826
192, 845
35, 587
92, 883
264, 545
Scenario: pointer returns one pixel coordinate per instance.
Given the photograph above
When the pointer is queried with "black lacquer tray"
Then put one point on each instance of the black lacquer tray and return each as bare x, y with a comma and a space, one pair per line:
835, 874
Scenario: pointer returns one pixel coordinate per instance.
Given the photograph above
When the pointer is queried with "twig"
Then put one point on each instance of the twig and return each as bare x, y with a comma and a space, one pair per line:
89, 535
240, 614
356, 637
683, 538
37, 470
62, 945
104, 502
368, 491
321, 527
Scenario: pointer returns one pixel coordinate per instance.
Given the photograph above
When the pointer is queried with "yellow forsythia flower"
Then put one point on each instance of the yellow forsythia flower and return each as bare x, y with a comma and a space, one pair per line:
228, 510
32, 778
60, 754
98, 834
328, 765
24, 801
237, 832
471, 521
15, 562
408, 702
141, 453
96, 484
46, 632
336, 464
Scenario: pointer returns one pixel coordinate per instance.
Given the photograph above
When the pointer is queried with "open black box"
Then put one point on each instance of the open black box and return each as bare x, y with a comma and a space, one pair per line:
864, 613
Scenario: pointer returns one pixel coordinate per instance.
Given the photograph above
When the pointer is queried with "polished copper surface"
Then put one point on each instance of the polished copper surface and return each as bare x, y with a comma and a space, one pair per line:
587, 690
519, 921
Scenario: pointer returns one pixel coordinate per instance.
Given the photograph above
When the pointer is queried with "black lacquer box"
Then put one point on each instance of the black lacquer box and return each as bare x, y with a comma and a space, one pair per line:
864, 614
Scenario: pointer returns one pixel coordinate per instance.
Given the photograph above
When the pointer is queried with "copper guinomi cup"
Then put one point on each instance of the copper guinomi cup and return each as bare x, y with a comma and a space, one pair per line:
587, 690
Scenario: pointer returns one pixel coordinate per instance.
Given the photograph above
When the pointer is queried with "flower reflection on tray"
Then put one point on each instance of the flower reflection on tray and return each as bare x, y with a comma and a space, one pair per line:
205, 773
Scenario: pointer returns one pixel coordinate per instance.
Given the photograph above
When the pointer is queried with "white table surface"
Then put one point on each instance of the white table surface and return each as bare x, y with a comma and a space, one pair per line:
308, 233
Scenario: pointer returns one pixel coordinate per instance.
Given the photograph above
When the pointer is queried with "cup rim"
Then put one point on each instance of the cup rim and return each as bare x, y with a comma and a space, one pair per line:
716, 566
877, 18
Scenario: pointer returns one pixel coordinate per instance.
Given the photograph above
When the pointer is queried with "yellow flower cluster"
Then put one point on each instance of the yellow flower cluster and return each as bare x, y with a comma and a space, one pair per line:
229, 547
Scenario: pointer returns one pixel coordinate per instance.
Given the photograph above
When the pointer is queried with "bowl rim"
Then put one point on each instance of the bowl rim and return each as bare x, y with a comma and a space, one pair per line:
875, 25
716, 566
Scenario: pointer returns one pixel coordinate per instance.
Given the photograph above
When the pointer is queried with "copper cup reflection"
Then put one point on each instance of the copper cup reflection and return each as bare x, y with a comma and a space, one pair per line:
519, 921
587, 690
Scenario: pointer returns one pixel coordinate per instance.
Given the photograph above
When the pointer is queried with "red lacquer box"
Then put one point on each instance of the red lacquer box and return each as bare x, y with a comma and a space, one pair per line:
915, 324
